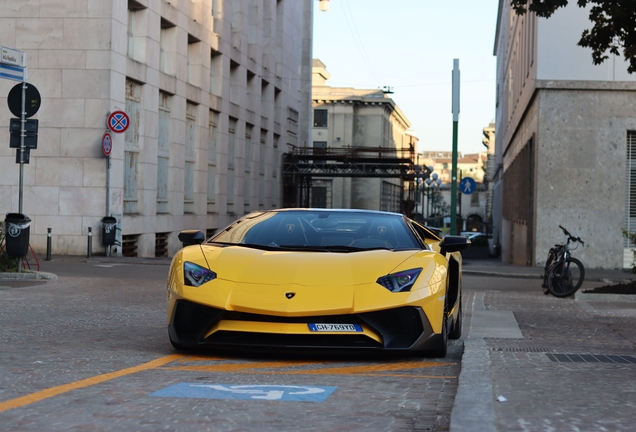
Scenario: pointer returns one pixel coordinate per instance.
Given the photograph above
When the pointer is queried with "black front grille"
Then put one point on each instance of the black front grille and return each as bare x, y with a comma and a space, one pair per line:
400, 327
292, 340
191, 320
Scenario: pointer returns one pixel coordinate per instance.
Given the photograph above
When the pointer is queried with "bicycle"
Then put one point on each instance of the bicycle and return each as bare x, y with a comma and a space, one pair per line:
563, 274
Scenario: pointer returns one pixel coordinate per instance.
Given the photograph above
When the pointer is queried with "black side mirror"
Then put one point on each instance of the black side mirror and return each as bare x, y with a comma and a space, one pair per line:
191, 237
454, 244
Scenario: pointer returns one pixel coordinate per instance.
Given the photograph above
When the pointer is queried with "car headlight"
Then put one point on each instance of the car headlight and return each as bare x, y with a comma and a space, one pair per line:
401, 281
195, 275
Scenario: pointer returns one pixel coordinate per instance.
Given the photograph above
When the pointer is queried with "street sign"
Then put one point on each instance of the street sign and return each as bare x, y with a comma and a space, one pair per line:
13, 57
31, 133
118, 121
467, 185
107, 144
27, 156
32, 100
15, 73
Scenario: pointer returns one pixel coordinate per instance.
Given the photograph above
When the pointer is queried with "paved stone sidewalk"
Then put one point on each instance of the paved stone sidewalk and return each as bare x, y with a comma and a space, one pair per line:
534, 362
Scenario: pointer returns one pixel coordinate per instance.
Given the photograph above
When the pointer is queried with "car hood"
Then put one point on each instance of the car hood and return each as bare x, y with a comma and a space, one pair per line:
254, 266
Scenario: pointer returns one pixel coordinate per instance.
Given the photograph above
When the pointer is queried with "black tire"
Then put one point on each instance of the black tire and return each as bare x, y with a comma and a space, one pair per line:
546, 272
441, 347
571, 280
456, 333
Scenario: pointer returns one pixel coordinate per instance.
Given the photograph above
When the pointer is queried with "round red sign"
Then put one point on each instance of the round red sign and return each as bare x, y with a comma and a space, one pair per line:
107, 144
118, 121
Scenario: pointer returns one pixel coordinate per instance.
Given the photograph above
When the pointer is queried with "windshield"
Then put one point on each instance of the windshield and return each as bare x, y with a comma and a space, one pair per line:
321, 231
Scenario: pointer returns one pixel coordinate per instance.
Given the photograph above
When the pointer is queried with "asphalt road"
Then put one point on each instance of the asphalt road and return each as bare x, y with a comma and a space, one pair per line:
90, 352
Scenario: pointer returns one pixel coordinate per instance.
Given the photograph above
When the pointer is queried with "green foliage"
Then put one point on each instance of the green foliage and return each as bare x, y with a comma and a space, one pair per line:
613, 31
7, 264
632, 240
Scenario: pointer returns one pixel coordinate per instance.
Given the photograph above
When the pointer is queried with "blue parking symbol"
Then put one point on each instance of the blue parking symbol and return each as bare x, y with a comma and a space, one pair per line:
287, 393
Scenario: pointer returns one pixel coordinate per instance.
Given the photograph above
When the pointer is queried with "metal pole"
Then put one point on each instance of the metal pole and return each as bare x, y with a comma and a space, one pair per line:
89, 252
108, 185
22, 135
455, 100
48, 244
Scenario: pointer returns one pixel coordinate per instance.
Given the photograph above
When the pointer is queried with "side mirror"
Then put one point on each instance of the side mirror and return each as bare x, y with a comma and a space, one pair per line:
454, 244
191, 237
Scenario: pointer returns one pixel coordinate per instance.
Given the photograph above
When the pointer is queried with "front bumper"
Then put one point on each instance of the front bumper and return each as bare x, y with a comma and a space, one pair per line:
195, 326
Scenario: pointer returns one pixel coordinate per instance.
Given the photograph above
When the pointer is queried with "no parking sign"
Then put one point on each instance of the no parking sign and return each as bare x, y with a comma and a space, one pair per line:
107, 144
118, 121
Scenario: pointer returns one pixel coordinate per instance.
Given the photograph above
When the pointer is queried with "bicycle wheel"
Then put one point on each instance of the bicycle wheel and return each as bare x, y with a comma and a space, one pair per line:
565, 278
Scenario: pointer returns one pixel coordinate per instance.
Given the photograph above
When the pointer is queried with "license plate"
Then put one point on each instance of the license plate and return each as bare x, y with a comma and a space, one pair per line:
335, 327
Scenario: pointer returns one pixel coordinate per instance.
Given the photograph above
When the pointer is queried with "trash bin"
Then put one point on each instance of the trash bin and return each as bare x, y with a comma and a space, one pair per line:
109, 230
16, 233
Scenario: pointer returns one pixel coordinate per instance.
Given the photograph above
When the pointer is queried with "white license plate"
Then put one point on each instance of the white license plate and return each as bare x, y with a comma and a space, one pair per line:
335, 327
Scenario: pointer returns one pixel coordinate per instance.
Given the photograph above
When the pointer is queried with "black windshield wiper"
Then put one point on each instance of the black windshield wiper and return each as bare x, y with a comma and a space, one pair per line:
330, 248
247, 245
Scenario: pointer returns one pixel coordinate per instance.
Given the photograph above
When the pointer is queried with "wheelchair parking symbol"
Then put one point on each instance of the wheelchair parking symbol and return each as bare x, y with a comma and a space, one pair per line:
289, 393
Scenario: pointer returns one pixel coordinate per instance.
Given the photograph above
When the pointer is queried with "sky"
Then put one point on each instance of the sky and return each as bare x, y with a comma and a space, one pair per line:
410, 45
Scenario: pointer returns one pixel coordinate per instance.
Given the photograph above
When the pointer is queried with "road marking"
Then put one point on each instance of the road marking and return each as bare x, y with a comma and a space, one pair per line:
270, 392
55, 391
364, 370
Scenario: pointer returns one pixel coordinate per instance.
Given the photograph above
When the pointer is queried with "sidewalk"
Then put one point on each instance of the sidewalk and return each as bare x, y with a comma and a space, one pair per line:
534, 362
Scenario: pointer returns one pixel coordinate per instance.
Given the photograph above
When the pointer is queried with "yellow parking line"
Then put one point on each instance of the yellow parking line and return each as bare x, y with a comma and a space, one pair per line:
362, 374
236, 367
372, 368
54, 391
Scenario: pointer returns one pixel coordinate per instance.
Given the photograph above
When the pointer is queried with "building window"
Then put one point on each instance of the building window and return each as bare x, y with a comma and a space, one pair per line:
390, 198
133, 17
190, 152
163, 153
194, 61
474, 199
320, 150
230, 163
132, 147
216, 73
167, 47
630, 188
212, 145
320, 118
235, 83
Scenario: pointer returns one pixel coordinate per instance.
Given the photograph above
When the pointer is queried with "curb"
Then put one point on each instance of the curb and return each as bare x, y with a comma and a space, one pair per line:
29, 276
583, 296
474, 408
500, 274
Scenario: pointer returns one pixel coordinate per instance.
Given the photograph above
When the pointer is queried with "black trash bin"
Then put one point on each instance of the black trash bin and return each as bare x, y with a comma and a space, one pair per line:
109, 230
17, 227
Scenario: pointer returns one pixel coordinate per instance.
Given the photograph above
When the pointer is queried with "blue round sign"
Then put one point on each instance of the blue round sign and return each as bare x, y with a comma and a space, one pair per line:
118, 121
107, 144
467, 185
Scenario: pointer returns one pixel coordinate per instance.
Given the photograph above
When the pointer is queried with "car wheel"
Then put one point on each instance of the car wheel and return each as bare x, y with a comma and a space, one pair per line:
457, 330
441, 347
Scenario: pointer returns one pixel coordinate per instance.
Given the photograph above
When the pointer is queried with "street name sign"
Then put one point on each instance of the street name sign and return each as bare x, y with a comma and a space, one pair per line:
15, 73
12, 57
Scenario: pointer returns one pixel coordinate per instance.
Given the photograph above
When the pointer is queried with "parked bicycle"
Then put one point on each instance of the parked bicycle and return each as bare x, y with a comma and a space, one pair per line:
563, 274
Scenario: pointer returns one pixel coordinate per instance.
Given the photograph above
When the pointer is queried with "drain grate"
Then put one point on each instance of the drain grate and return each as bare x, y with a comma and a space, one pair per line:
522, 349
592, 358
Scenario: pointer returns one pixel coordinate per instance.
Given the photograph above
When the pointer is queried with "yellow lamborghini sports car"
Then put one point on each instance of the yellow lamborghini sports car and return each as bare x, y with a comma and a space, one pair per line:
317, 279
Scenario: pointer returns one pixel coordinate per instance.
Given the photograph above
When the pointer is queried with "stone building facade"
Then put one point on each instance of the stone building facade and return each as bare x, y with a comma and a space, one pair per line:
350, 118
216, 90
565, 140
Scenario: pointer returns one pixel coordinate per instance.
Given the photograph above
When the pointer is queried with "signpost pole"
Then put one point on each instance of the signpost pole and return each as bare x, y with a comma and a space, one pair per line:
455, 99
22, 148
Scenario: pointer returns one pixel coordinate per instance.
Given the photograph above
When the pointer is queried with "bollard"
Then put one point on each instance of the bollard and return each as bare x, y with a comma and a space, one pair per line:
48, 245
89, 253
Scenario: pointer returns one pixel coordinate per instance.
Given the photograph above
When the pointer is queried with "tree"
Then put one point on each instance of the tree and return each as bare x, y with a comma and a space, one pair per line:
614, 25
